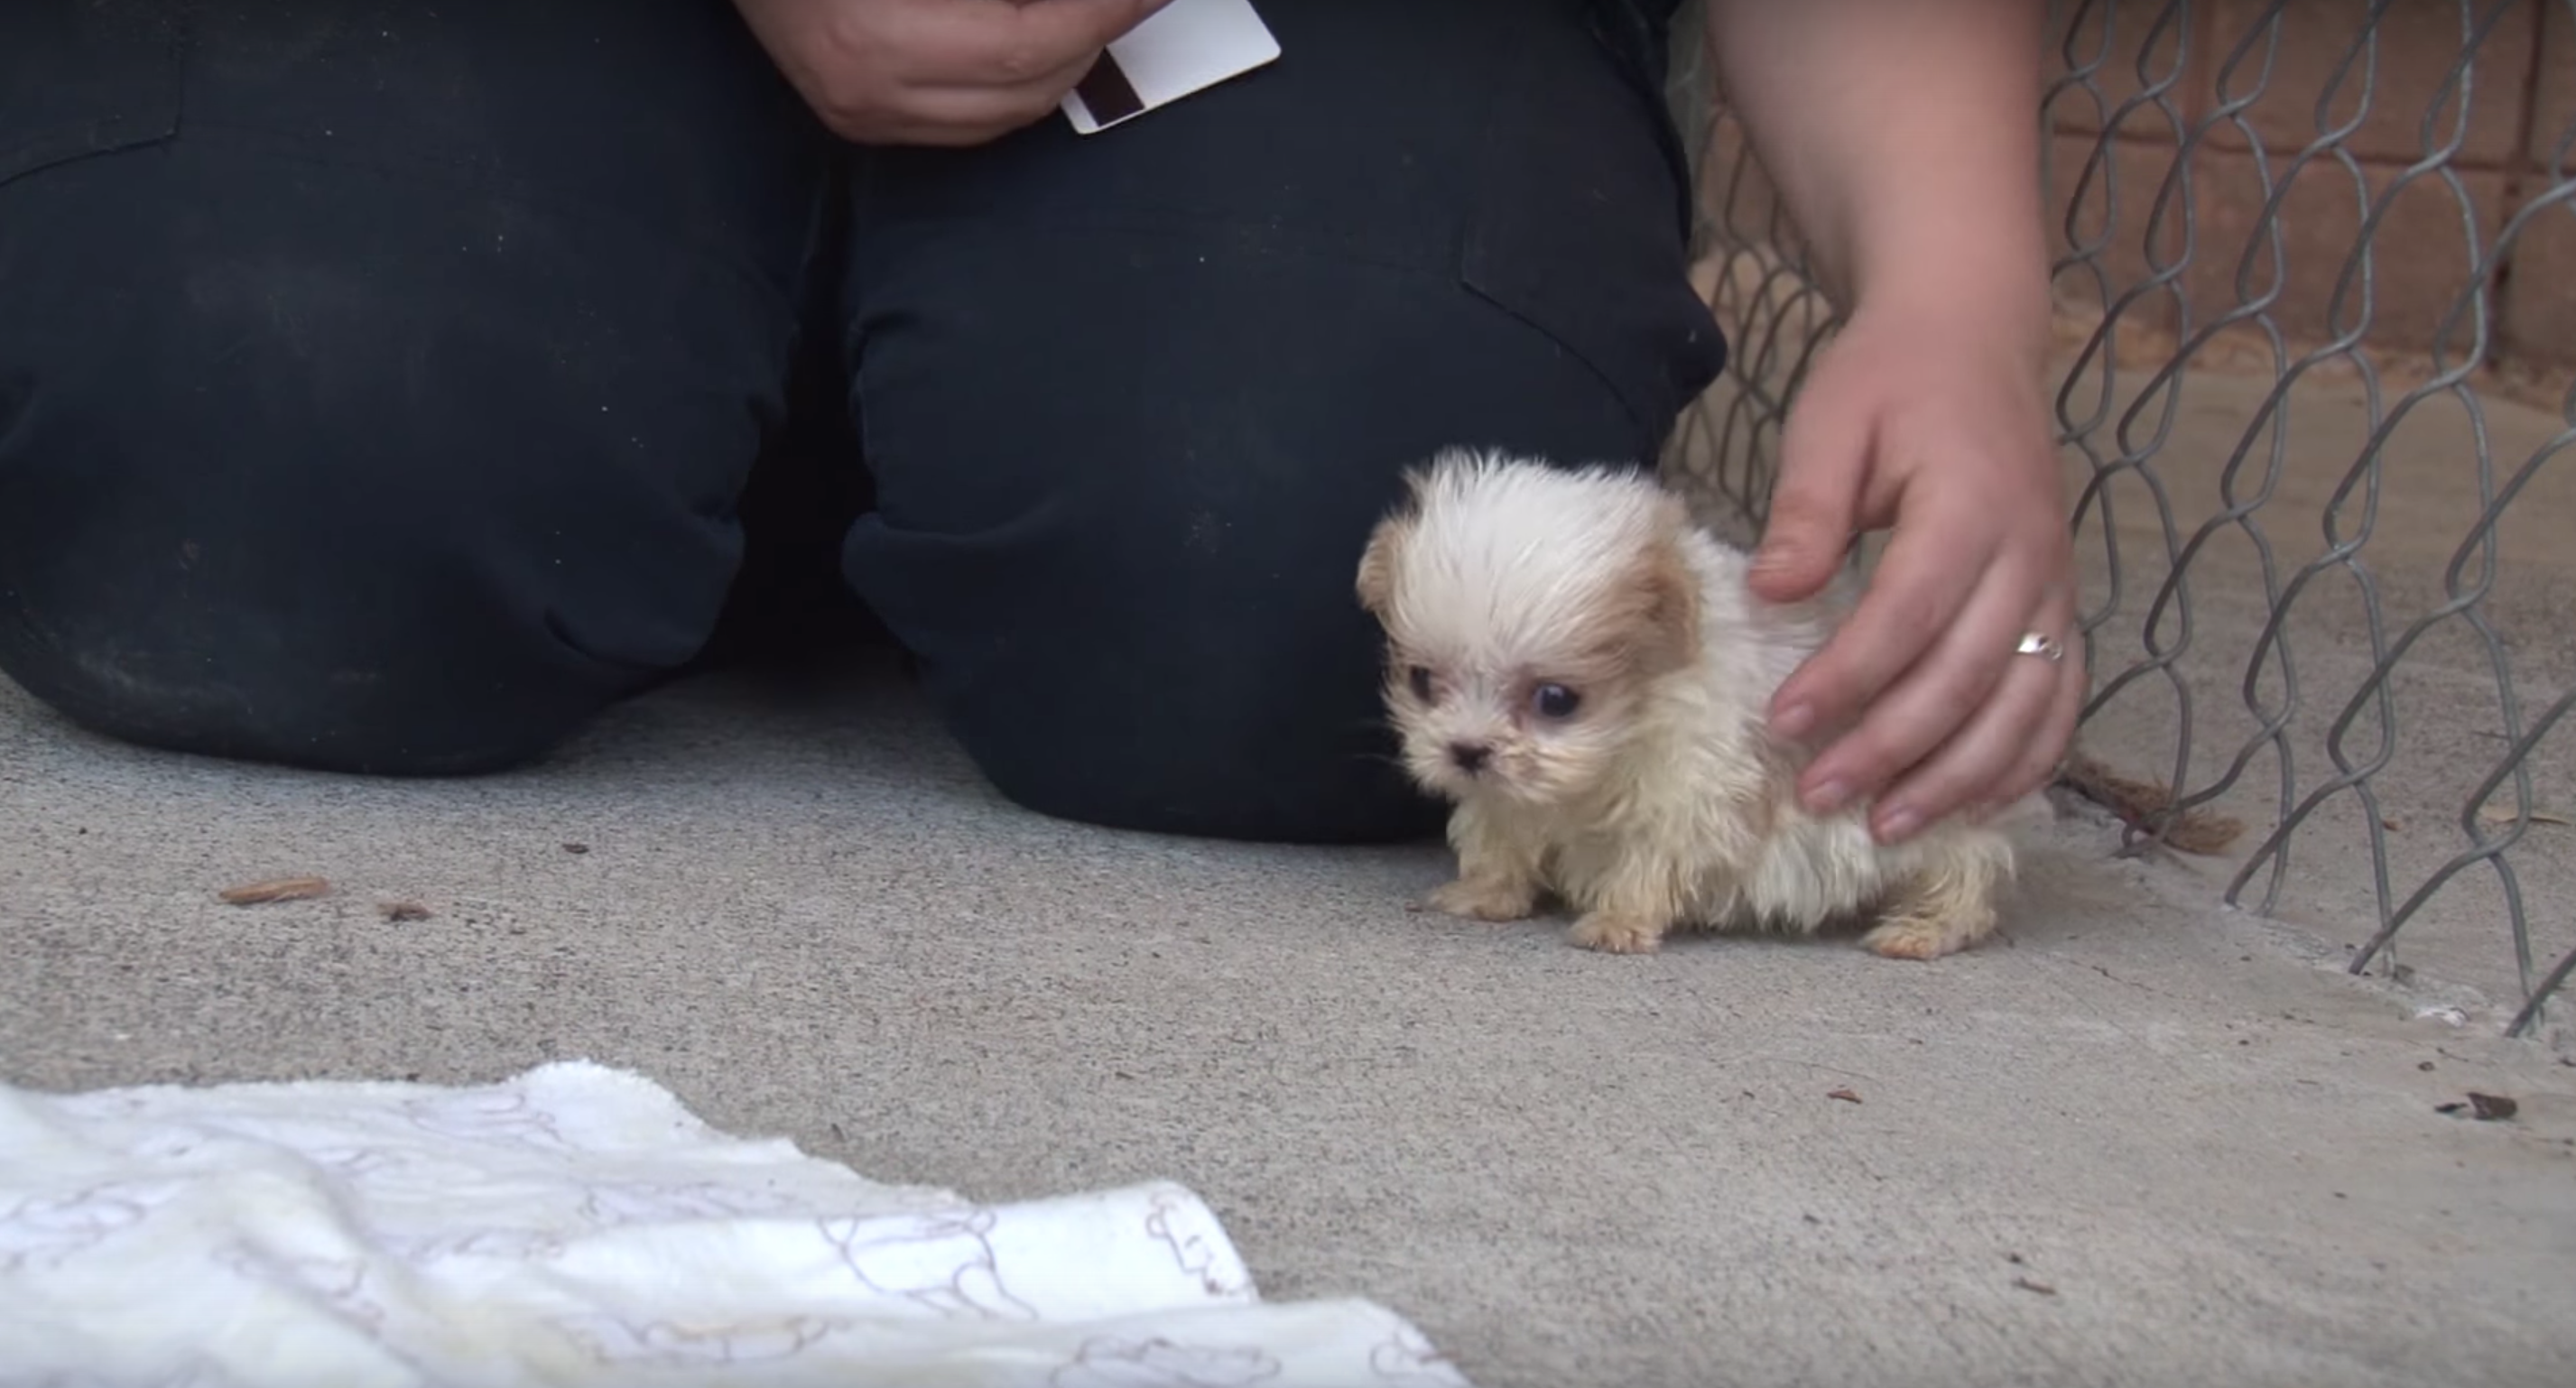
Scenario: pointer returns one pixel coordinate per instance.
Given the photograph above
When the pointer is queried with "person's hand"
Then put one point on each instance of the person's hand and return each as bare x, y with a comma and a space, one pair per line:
937, 72
1909, 421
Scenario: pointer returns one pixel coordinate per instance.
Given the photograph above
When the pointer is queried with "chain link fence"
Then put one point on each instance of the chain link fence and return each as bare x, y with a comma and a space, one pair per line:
2316, 278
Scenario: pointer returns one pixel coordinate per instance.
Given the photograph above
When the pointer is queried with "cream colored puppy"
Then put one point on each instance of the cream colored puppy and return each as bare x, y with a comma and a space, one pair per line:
1580, 669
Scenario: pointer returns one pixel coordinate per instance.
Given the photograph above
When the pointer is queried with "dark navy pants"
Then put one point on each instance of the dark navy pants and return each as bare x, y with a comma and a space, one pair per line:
389, 388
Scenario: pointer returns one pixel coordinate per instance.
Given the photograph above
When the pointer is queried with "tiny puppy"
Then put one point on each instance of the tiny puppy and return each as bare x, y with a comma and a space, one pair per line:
1581, 671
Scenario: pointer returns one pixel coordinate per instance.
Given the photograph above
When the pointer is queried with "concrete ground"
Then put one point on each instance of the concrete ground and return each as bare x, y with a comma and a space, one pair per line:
2444, 697
2136, 1142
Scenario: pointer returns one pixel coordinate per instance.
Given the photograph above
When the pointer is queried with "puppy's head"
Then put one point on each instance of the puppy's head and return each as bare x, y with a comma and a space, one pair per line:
1529, 612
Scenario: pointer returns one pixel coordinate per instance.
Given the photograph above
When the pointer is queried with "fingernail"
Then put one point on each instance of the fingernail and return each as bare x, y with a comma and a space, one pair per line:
1898, 825
1794, 721
1829, 797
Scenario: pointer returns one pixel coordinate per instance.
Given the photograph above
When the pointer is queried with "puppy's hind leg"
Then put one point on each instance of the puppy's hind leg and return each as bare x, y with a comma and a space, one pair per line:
1949, 904
1498, 873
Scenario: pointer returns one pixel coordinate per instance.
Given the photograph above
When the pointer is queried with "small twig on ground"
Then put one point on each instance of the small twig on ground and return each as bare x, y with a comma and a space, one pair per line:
2138, 804
280, 889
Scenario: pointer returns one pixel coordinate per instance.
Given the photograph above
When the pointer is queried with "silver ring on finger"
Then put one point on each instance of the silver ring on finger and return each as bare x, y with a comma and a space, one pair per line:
2040, 643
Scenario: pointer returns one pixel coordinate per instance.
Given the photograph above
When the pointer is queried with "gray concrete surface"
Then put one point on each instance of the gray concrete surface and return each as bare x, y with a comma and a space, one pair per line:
2220, 1157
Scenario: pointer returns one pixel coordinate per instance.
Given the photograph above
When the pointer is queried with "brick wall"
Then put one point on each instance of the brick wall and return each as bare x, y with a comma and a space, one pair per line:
2435, 231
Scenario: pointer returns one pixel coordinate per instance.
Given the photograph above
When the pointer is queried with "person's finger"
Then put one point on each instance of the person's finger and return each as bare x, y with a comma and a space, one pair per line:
970, 114
1005, 45
1924, 704
1815, 504
1045, 87
1040, 36
1935, 559
960, 116
2045, 753
1977, 767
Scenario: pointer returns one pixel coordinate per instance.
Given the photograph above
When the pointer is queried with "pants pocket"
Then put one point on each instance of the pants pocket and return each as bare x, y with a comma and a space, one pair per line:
80, 79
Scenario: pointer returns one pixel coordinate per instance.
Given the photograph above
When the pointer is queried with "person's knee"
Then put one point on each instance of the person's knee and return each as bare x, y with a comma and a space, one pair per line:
1128, 460
1131, 640
1168, 714
318, 631
1146, 617
1208, 780
269, 517
371, 443
197, 573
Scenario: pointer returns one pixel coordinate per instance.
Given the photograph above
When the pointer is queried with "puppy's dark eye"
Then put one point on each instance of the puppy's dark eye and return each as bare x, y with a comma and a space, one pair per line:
1418, 679
1555, 701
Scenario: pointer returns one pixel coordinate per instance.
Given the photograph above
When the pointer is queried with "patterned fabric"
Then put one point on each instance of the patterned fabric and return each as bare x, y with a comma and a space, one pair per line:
575, 1225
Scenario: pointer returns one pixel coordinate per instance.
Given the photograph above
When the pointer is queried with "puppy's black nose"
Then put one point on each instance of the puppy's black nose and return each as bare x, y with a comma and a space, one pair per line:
1470, 756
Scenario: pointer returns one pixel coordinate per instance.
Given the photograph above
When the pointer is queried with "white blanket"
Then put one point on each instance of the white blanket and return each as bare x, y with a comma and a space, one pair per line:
574, 1226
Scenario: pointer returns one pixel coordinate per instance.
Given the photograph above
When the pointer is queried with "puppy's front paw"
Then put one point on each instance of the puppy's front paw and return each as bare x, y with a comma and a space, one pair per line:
1617, 934
1485, 901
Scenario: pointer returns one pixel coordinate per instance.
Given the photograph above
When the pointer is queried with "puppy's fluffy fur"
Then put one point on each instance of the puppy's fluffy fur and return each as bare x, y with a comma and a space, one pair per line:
1581, 670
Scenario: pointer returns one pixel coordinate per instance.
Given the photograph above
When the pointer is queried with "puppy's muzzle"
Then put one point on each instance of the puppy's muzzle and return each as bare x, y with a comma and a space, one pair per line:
1470, 757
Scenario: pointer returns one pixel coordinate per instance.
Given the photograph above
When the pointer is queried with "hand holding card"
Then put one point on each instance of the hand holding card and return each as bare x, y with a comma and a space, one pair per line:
1185, 47
939, 72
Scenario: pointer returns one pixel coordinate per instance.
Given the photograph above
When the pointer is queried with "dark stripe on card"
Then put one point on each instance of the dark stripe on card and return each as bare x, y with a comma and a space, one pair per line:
1106, 92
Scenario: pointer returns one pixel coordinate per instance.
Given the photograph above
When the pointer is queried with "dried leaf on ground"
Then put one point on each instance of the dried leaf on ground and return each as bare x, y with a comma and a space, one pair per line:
1845, 1095
2504, 814
402, 910
281, 889
2028, 1285
2138, 803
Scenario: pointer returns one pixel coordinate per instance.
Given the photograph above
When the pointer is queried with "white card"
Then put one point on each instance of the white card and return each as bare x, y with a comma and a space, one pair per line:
1187, 46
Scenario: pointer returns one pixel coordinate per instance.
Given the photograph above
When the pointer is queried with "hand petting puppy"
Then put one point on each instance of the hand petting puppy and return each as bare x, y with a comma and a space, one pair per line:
1904, 141
1904, 424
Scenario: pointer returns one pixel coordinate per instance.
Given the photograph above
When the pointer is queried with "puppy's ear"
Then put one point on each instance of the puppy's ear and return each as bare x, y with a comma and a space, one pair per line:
1664, 596
1377, 564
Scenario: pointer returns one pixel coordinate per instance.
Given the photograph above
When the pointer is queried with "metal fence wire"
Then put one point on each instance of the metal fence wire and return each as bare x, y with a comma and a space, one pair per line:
2316, 279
